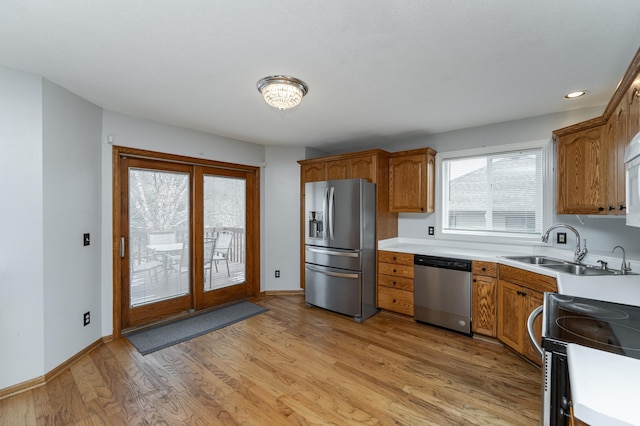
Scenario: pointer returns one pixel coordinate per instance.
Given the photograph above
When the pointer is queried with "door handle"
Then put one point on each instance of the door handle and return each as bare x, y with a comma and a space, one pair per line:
331, 216
333, 274
325, 201
121, 247
537, 311
332, 252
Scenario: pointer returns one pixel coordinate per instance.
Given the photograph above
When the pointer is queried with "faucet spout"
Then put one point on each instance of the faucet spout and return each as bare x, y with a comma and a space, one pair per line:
580, 252
625, 267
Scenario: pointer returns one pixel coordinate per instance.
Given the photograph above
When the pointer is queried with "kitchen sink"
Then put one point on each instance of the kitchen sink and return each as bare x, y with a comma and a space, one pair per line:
574, 269
536, 260
564, 266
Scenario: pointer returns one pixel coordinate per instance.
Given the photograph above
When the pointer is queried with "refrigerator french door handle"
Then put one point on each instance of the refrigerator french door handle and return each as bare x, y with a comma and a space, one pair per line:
333, 253
325, 201
331, 212
333, 274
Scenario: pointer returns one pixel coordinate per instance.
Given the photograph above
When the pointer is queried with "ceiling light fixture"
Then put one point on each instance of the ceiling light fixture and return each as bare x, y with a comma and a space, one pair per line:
576, 94
281, 91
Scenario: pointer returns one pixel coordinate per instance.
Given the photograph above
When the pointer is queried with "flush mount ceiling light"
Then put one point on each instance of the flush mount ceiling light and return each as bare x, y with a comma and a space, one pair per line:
281, 91
576, 94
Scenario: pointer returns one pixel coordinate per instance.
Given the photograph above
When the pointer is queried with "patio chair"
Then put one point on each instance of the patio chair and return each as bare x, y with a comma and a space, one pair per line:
221, 250
182, 265
209, 247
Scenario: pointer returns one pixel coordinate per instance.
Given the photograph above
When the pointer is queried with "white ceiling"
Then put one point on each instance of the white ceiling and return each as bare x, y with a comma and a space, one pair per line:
376, 69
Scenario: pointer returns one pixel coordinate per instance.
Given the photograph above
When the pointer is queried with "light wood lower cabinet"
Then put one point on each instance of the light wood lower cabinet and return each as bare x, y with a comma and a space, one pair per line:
484, 298
519, 293
395, 282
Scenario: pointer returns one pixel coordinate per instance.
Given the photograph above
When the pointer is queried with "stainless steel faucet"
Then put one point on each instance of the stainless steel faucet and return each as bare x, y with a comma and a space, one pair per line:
625, 267
580, 253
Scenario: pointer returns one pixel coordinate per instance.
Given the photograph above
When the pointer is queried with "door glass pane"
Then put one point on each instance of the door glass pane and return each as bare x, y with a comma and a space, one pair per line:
224, 231
158, 235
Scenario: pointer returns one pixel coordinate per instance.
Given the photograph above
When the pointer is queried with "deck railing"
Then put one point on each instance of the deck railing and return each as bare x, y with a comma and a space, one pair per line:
139, 239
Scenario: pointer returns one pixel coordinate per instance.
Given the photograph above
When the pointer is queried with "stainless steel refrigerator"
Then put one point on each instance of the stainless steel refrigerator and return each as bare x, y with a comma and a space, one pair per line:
340, 252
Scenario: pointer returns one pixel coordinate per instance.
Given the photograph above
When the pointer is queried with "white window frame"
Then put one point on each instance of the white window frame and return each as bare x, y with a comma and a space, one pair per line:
486, 237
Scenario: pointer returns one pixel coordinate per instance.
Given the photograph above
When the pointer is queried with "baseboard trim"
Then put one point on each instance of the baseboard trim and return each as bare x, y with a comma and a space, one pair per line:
42, 380
283, 293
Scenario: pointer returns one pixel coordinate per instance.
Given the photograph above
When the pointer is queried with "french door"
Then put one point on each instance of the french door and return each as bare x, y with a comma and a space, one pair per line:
184, 231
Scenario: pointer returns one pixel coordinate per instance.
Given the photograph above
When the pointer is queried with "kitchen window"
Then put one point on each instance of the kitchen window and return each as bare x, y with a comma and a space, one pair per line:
500, 193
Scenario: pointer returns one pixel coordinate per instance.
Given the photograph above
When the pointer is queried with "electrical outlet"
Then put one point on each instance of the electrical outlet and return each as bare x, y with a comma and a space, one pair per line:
87, 318
277, 273
87, 239
431, 230
561, 238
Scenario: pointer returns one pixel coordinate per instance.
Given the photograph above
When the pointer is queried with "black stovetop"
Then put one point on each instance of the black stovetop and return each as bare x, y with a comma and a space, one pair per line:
607, 326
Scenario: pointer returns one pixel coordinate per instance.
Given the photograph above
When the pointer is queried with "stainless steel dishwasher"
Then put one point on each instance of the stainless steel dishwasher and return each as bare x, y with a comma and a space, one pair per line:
442, 292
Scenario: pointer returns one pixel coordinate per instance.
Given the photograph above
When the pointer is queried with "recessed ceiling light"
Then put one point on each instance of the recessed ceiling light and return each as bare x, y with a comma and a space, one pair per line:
576, 94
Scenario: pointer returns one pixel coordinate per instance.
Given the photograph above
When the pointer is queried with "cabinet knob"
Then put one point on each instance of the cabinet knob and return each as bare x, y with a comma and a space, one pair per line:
622, 207
600, 209
611, 208
395, 258
484, 269
394, 300
475, 281
394, 270
394, 283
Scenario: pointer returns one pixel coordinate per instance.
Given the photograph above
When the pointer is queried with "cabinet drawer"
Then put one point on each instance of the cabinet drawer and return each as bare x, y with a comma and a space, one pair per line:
395, 300
398, 270
401, 283
488, 269
393, 257
528, 279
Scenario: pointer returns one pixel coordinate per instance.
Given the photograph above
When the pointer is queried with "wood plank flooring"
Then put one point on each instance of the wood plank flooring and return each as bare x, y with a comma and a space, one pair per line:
293, 365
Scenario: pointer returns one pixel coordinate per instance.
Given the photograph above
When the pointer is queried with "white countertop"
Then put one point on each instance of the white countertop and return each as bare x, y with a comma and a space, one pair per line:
610, 288
604, 385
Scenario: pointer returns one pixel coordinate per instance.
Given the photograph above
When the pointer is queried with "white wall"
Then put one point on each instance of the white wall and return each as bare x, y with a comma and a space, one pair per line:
21, 247
602, 233
145, 134
71, 172
282, 206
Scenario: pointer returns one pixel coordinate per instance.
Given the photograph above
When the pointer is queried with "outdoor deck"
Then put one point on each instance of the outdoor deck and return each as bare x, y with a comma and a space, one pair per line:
154, 285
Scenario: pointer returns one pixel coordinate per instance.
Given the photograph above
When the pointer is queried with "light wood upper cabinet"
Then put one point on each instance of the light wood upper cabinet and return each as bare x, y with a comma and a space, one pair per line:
363, 167
412, 181
312, 172
337, 169
617, 137
590, 171
582, 172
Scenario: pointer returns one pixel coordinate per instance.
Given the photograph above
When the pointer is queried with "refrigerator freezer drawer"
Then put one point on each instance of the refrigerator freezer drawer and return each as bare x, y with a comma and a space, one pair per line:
333, 289
343, 259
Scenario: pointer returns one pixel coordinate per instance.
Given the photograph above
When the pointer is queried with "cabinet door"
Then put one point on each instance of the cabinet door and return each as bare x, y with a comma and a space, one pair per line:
633, 100
617, 137
408, 183
337, 169
510, 314
314, 172
483, 305
533, 299
582, 172
363, 168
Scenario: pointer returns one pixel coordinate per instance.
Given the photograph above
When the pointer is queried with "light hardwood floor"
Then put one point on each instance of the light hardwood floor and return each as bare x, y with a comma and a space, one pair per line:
293, 365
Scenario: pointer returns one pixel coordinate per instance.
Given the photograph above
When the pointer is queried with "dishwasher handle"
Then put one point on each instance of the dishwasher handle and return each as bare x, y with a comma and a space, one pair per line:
536, 312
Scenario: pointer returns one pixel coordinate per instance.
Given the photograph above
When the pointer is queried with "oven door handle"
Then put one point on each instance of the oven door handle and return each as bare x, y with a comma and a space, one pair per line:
537, 311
